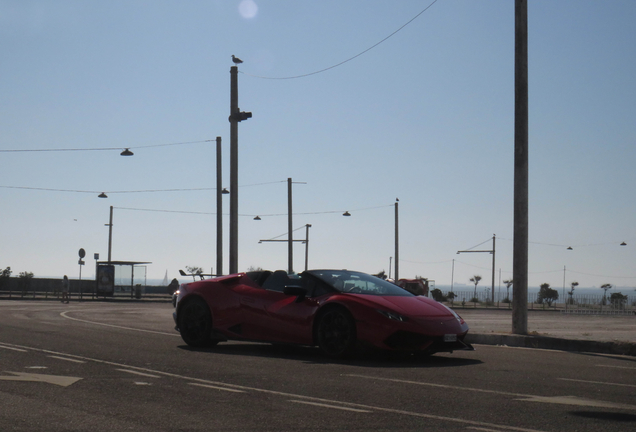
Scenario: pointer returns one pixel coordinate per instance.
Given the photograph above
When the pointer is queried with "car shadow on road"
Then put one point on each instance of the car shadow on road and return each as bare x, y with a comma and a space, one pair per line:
312, 355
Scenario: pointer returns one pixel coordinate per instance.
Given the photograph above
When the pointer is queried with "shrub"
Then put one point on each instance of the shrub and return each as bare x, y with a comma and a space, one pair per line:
438, 295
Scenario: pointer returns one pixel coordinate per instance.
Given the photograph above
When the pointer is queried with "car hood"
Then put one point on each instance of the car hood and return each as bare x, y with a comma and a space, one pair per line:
417, 306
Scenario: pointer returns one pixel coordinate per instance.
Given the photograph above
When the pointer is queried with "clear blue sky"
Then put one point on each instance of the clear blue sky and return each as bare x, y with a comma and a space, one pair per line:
426, 116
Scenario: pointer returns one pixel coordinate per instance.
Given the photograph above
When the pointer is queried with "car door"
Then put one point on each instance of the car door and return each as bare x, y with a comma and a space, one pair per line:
270, 314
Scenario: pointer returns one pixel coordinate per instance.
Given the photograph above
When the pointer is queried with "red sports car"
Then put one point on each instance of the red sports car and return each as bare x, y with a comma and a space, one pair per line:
336, 310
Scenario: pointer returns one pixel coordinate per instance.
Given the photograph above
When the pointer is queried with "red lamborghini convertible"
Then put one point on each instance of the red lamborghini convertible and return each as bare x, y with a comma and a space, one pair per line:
337, 310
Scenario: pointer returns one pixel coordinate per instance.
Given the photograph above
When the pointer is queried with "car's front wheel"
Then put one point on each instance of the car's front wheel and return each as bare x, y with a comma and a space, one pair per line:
195, 323
336, 333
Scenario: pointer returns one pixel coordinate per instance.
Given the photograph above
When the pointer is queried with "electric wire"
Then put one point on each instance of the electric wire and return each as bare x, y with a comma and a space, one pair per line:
294, 230
100, 148
132, 191
349, 59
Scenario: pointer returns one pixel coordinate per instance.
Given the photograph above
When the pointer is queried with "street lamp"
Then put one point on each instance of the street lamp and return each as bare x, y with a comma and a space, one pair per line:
493, 262
397, 242
306, 241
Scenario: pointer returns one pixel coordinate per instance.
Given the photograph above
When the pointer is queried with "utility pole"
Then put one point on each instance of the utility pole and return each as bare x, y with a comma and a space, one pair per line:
290, 241
235, 117
520, 242
492, 251
397, 243
307, 226
493, 268
219, 210
110, 234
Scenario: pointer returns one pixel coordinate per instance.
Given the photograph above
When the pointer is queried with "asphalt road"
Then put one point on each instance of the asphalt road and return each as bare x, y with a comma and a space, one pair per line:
122, 367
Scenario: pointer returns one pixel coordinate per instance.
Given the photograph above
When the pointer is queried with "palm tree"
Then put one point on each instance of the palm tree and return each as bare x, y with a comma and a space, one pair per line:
571, 293
475, 279
605, 287
508, 285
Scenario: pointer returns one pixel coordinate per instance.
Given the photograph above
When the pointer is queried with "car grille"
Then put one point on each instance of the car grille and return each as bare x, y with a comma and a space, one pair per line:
408, 341
403, 340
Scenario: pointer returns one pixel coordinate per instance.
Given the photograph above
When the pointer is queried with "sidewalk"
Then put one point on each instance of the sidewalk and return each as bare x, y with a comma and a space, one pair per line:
608, 334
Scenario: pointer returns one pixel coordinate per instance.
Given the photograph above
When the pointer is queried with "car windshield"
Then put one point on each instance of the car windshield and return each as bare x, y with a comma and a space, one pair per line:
345, 281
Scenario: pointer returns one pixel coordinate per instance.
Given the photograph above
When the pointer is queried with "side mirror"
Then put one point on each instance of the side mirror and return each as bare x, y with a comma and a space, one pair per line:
294, 290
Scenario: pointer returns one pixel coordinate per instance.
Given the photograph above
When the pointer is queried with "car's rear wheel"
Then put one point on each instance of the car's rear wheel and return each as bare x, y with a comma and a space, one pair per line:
195, 323
336, 333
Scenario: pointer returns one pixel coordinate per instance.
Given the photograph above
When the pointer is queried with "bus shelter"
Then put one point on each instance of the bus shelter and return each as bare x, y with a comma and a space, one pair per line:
115, 277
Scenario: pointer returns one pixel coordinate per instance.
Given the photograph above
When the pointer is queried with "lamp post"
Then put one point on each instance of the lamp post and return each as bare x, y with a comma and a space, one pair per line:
236, 115
493, 263
219, 209
397, 242
290, 242
110, 234
307, 246
306, 241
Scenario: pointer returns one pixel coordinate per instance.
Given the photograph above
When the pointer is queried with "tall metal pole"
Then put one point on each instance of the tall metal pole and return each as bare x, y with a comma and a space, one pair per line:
307, 246
290, 241
234, 109
520, 242
493, 267
397, 243
219, 210
110, 234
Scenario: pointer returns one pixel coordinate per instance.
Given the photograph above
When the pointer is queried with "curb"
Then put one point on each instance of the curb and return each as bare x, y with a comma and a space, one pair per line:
546, 342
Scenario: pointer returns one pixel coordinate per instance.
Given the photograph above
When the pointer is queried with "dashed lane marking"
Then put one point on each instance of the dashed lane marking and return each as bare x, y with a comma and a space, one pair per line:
617, 367
67, 359
138, 373
563, 400
12, 348
331, 406
597, 382
217, 387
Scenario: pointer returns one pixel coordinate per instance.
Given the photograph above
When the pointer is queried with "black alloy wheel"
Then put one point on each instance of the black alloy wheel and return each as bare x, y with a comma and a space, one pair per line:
195, 323
336, 333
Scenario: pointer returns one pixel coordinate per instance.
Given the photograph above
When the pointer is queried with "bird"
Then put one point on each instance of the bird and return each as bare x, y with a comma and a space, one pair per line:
236, 60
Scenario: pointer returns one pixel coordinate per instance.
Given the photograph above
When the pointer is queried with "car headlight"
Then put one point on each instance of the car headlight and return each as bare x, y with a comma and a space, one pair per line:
393, 315
460, 319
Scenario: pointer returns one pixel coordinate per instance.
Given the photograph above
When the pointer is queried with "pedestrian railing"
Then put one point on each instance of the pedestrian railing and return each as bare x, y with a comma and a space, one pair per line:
575, 304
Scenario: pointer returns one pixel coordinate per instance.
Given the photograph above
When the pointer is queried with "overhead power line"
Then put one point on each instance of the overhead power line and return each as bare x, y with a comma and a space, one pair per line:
350, 58
99, 148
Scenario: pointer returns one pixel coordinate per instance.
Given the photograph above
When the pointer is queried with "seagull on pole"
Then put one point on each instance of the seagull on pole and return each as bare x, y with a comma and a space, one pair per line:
236, 60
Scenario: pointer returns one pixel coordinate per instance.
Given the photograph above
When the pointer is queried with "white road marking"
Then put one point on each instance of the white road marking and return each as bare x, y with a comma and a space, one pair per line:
64, 315
63, 381
228, 387
563, 400
36, 367
142, 383
436, 385
138, 373
67, 359
617, 367
484, 429
331, 406
577, 401
597, 382
217, 387
13, 349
